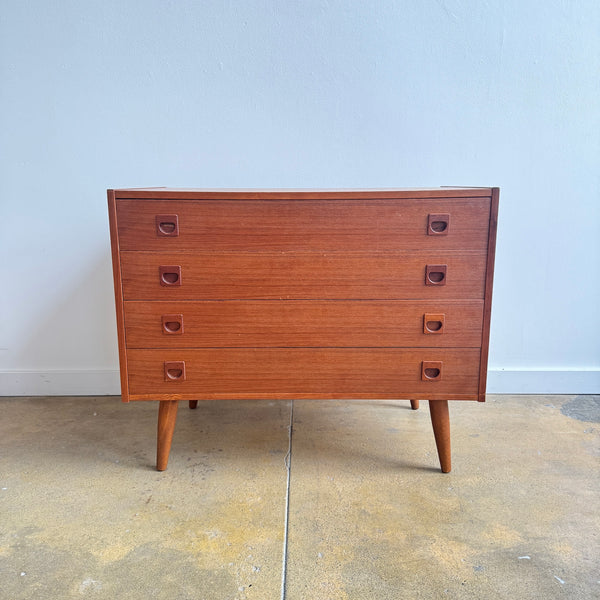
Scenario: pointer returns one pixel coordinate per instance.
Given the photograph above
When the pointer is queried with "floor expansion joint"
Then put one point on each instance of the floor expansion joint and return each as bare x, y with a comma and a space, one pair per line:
288, 467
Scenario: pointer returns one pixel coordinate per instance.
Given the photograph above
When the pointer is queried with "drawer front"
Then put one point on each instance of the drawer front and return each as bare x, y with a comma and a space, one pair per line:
300, 323
407, 224
295, 275
303, 373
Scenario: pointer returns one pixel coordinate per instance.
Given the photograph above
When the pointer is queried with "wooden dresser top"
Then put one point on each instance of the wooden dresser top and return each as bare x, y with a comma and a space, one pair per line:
299, 194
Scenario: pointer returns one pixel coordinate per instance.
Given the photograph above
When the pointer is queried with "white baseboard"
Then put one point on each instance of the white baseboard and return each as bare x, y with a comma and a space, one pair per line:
60, 383
106, 382
543, 381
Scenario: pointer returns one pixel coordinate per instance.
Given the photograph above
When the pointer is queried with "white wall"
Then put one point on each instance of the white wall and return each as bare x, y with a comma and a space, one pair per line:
298, 94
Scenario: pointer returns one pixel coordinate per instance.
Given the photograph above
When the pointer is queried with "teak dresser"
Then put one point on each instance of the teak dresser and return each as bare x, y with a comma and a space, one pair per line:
275, 294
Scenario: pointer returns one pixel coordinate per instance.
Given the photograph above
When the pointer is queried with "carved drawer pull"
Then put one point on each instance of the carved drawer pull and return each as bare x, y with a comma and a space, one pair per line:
438, 224
435, 274
175, 370
431, 370
433, 323
172, 324
167, 225
170, 275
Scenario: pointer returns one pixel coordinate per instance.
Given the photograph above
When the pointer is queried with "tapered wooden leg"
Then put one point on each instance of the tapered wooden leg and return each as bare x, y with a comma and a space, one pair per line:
441, 430
414, 404
193, 403
167, 415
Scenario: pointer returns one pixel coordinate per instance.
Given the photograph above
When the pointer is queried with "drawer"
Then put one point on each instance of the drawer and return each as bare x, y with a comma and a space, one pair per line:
404, 224
301, 323
303, 373
297, 275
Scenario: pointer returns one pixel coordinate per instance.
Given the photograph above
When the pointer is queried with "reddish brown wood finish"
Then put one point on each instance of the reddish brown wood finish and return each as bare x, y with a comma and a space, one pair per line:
489, 283
301, 194
171, 324
227, 373
306, 275
344, 225
169, 275
436, 274
302, 323
165, 225
286, 294
441, 430
118, 285
174, 371
438, 224
167, 415
435, 324
432, 370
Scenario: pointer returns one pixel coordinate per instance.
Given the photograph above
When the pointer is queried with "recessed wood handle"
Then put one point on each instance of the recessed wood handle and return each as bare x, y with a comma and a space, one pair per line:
438, 224
434, 323
175, 370
170, 275
435, 274
167, 225
172, 324
431, 370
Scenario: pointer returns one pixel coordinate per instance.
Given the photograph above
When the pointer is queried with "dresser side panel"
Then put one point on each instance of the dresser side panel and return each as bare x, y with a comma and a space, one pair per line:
489, 281
116, 262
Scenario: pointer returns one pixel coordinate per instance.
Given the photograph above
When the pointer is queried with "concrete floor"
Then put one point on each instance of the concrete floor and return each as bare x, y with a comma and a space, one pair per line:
83, 513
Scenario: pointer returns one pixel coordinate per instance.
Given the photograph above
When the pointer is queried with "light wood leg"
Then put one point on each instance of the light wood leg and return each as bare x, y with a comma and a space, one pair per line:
414, 404
441, 430
167, 415
193, 403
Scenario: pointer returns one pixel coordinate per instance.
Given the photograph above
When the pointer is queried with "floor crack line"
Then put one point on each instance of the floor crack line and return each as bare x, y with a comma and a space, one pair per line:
288, 466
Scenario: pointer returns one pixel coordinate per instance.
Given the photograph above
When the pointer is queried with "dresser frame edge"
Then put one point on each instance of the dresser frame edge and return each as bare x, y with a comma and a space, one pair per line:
116, 263
489, 284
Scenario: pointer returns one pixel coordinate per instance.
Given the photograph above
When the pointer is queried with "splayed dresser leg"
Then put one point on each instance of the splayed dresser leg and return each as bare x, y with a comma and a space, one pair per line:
167, 415
440, 420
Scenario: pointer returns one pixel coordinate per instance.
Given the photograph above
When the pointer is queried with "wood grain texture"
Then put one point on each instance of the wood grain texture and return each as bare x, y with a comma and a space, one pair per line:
440, 420
302, 323
346, 225
118, 287
489, 282
303, 373
295, 275
167, 415
320, 294
301, 194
